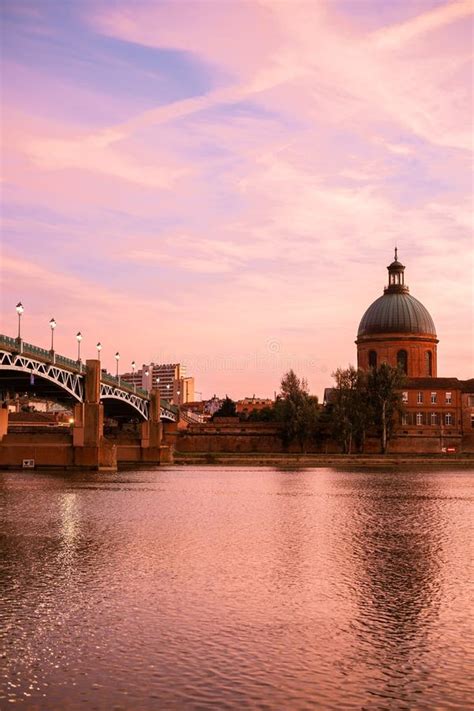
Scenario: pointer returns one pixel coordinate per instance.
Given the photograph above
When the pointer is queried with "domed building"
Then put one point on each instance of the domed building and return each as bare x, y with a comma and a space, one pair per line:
398, 329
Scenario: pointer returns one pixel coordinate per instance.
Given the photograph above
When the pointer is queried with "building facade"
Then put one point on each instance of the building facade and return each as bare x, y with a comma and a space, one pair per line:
169, 379
397, 329
252, 404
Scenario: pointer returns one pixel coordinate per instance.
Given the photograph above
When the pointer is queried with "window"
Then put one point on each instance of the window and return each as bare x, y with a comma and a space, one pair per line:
448, 399
434, 419
434, 397
405, 397
428, 363
470, 400
402, 361
448, 419
404, 419
419, 418
419, 398
472, 421
372, 359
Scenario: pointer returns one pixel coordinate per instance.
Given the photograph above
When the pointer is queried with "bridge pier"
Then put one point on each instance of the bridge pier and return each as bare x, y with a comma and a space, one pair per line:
3, 420
151, 448
91, 449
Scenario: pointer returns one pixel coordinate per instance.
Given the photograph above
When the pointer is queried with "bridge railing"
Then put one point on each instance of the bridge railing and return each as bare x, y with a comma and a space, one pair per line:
123, 384
8, 342
30, 349
68, 362
168, 406
14, 344
41, 353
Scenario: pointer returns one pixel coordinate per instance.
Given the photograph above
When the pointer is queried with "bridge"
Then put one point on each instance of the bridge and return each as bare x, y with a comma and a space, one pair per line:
91, 392
28, 368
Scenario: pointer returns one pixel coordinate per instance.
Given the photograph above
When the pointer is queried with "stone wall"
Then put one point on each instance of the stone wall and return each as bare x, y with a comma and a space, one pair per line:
265, 438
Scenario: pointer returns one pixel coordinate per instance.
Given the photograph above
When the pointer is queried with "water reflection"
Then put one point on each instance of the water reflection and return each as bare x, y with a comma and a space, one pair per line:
214, 588
397, 541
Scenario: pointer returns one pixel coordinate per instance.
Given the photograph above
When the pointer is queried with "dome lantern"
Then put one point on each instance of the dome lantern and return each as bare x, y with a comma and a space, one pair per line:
396, 277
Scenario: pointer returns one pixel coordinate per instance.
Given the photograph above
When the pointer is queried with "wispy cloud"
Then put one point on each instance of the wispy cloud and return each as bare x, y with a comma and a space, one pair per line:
259, 203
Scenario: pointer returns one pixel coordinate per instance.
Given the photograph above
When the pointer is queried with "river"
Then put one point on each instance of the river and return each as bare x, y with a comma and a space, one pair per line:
236, 588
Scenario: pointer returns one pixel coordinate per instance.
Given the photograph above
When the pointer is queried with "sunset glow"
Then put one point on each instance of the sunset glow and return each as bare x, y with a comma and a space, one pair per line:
222, 184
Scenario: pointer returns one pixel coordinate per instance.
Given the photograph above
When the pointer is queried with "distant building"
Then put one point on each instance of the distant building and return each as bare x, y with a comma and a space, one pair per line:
212, 405
169, 379
250, 404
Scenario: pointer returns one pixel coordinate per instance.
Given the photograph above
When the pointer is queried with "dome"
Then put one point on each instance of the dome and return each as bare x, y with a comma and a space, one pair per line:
396, 312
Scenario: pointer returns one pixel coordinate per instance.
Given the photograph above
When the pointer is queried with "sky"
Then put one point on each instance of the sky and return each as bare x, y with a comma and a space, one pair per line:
222, 183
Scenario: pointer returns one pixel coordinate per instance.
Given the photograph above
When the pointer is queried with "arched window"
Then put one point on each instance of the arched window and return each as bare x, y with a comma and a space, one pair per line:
372, 359
402, 361
428, 363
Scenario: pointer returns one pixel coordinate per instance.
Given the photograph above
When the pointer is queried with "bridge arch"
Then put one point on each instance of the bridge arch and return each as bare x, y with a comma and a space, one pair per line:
126, 401
72, 384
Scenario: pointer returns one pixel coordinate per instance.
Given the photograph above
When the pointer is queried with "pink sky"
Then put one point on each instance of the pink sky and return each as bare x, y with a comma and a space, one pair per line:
222, 183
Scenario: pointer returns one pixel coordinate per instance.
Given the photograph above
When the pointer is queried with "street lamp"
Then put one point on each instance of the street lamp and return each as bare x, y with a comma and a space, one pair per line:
117, 358
19, 309
99, 348
79, 339
52, 324
133, 374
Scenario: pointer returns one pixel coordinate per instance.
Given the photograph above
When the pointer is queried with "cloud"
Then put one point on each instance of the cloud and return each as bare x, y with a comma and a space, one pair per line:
394, 37
266, 207
92, 154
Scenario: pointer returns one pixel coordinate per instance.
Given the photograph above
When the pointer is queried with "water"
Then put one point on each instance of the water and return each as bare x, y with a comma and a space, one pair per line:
226, 588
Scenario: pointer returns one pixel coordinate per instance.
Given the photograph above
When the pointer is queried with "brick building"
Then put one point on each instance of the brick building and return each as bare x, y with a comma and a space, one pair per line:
397, 329
251, 404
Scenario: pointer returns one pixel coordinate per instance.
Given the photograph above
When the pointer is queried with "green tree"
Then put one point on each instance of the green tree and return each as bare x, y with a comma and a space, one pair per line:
266, 414
383, 387
297, 410
351, 413
227, 409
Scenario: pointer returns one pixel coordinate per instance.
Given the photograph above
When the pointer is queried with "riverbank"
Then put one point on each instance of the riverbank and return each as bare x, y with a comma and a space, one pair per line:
319, 460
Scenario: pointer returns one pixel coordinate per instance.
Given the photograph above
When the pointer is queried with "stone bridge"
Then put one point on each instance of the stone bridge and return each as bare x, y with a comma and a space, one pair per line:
92, 393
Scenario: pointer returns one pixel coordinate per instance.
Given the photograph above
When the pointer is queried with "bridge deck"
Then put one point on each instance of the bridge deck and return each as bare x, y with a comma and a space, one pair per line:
30, 363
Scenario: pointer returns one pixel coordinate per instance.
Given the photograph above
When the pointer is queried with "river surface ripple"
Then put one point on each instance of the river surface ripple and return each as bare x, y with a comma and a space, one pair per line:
236, 588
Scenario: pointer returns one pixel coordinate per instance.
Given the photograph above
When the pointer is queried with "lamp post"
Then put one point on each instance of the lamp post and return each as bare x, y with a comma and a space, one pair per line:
147, 373
133, 376
99, 348
53, 325
178, 393
19, 309
117, 358
79, 339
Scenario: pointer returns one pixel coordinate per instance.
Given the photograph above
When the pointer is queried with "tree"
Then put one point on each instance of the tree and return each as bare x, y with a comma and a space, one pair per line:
297, 410
227, 409
383, 387
351, 409
266, 414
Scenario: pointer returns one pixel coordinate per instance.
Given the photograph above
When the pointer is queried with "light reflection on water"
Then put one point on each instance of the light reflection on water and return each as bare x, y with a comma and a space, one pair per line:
236, 588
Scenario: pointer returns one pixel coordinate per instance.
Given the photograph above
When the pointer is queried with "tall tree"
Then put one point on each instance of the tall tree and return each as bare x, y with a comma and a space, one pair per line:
351, 410
383, 386
227, 409
297, 410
